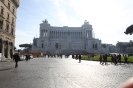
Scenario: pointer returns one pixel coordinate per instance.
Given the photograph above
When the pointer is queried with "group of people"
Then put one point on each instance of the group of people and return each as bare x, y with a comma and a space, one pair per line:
50, 55
77, 56
114, 58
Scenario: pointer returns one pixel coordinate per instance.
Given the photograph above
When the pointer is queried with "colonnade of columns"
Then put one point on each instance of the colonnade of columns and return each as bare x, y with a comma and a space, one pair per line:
44, 33
65, 34
88, 33
6, 48
74, 35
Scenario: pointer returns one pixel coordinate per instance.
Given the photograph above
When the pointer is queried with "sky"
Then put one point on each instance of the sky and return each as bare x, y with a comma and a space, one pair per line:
109, 18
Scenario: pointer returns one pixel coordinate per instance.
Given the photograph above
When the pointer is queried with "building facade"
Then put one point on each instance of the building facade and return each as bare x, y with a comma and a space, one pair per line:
67, 40
125, 47
112, 48
8, 10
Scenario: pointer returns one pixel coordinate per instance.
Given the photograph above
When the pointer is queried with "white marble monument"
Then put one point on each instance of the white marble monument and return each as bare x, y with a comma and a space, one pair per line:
67, 40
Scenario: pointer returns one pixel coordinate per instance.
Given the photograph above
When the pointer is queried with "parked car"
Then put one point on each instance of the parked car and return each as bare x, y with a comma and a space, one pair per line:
22, 57
31, 56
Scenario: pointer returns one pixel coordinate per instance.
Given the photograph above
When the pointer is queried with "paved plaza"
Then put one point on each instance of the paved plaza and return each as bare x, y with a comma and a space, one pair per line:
63, 73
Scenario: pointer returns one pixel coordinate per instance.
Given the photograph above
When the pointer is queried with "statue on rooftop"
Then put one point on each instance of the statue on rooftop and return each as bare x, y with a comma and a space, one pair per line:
86, 22
45, 21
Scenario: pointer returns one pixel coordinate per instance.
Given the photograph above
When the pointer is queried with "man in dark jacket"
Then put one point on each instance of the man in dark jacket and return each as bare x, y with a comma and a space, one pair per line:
16, 58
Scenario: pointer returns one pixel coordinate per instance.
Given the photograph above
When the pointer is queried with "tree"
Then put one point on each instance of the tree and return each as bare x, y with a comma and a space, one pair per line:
26, 46
129, 30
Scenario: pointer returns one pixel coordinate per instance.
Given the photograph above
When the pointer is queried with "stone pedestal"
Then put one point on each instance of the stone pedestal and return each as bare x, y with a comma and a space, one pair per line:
56, 51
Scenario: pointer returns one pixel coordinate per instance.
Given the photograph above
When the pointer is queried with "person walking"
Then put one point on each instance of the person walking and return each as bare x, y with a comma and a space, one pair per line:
115, 59
119, 58
16, 58
101, 59
27, 57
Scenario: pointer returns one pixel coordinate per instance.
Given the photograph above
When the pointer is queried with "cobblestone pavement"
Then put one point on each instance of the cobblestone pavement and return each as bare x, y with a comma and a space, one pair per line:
64, 73
6, 64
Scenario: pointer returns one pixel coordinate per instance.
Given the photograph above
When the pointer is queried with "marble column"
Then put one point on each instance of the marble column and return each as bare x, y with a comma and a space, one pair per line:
3, 45
9, 50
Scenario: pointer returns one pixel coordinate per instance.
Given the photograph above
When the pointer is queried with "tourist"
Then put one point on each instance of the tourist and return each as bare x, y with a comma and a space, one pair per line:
101, 59
61, 56
119, 58
16, 58
115, 59
27, 57
79, 58
125, 59
73, 56
76, 56
105, 59
112, 59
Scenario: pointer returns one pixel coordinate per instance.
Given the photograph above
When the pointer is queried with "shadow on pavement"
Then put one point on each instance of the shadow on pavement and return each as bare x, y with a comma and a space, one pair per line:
5, 69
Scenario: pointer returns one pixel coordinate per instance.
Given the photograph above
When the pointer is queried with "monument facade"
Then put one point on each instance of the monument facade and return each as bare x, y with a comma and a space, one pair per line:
67, 40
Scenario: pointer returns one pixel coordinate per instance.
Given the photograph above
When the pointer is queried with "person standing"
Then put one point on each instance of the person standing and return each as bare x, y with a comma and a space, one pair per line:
125, 59
79, 58
119, 58
101, 59
27, 57
72, 56
115, 59
61, 56
16, 58
112, 59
